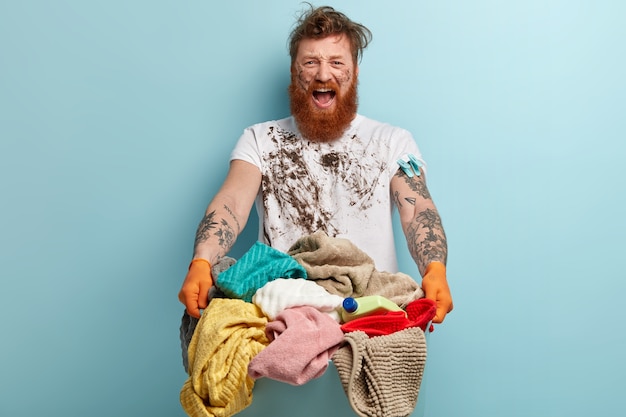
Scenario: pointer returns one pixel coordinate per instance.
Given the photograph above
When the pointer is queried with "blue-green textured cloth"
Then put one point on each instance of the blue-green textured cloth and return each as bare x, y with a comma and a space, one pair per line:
258, 266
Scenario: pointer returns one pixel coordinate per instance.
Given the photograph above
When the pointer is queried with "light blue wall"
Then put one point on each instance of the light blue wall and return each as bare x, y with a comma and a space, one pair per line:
116, 122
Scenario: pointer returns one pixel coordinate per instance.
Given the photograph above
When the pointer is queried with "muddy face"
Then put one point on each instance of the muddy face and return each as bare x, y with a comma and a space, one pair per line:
323, 89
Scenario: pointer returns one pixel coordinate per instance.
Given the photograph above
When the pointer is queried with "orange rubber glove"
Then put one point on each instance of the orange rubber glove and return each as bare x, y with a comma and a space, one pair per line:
194, 293
436, 288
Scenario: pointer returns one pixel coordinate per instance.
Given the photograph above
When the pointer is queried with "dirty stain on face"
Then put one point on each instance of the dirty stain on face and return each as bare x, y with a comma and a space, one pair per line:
323, 89
325, 68
313, 186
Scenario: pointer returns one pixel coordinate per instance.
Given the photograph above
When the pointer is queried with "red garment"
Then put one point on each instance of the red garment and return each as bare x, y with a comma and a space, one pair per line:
418, 314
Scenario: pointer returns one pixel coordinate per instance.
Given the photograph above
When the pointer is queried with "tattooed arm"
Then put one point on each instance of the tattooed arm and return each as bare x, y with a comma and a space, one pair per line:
223, 220
425, 237
420, 220
228, 212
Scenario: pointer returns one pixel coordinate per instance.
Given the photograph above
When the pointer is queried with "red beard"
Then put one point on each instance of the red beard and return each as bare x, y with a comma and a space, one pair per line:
319, 125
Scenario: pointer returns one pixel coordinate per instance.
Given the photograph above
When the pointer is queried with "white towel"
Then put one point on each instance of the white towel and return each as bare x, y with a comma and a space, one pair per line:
283, 293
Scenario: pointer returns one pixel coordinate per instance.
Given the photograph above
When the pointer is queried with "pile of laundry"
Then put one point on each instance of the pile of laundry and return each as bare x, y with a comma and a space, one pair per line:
276, 315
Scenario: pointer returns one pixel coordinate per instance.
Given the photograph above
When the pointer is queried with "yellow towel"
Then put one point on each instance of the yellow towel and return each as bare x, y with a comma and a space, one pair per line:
229, 334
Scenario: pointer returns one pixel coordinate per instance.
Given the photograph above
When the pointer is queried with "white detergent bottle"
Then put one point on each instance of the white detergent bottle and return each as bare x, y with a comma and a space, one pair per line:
353, 308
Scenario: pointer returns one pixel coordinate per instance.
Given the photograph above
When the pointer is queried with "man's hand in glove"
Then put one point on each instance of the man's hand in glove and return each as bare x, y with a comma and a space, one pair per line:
436, 288
194, 293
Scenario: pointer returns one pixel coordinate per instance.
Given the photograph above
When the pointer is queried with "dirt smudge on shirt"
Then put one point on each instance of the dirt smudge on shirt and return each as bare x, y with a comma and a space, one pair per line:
309, 188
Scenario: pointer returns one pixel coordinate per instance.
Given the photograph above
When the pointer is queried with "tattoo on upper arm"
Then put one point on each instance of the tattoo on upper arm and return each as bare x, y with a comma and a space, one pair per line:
396, 197
417, 184
398, 200
204, 228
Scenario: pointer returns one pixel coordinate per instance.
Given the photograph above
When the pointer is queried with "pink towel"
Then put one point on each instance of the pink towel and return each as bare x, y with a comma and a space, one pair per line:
302, 341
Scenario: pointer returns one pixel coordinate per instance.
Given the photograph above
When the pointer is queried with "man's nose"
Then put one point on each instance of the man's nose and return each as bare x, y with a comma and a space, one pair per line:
323, 72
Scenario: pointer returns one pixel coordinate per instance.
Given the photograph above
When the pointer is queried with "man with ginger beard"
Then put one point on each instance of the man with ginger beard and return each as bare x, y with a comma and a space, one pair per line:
325, 168
323, 109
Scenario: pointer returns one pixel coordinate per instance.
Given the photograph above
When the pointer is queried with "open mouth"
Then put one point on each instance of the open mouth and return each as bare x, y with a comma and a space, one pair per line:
324, 97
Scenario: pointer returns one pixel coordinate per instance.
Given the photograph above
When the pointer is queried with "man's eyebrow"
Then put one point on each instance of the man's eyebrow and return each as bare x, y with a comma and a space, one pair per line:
314, 55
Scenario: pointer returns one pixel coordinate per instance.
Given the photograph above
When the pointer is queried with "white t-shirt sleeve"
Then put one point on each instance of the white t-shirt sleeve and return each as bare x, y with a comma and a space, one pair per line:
247, 148
402, 145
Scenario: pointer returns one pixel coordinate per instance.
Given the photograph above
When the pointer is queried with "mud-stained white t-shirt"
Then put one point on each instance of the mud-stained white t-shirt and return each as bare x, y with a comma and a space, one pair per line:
341, 187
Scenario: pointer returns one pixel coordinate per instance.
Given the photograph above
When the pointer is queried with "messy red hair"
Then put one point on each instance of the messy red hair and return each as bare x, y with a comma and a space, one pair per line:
320, 22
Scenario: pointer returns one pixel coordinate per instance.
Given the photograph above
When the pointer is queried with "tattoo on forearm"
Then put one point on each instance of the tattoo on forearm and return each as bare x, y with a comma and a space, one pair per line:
221, 228
234, 217
226, 235
427, 239
204, 228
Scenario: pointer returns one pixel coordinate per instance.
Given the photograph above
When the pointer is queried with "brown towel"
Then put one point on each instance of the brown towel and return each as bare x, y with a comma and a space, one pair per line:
382, 375
343, 269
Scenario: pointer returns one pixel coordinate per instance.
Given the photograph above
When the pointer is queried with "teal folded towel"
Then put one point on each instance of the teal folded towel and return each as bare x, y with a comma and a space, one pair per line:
258, 266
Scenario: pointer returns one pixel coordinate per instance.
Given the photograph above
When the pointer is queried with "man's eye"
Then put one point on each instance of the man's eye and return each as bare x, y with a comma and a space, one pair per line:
337, 63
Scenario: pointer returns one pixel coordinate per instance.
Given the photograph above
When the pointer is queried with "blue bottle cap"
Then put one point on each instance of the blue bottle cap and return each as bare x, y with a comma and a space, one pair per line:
350, 304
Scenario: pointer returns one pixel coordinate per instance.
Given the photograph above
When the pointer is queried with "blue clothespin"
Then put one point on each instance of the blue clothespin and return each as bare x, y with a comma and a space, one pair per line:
412, 167
415, 164
406, 168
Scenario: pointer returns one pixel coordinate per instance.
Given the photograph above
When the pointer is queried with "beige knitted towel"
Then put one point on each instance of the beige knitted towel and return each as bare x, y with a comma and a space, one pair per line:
343, 269
382, 375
